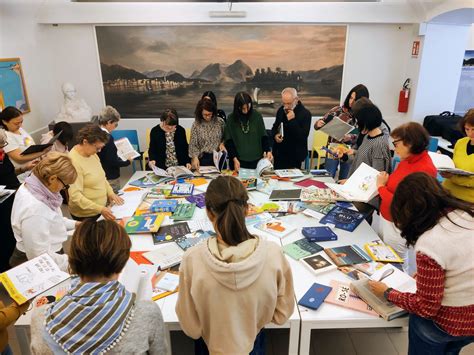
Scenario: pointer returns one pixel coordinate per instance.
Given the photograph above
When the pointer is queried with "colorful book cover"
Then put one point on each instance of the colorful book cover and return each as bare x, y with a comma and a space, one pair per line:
163, 206
144, 224
275, 227
314, 297
138, 257
288, 173
250, 183
318, 263
347, 255
199, 200
322, 208
341, 295
382, 252
301, 248
182, 189
170, 232
343, 218
360, 271
192, 239
257, 218
315, 194
160, 192
184, 211
318, 234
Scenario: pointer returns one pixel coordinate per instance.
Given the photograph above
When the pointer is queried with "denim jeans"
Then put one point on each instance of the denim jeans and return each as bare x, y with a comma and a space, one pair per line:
200, 347
427, 338
332, 164
7, 351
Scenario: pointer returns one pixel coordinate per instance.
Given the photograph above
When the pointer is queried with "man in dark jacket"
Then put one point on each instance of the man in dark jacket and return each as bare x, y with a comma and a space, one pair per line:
290, 131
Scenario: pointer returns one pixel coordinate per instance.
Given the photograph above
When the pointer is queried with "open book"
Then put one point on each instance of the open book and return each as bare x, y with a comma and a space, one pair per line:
336, 128
32, 278
444, 164
264, 166
125, 149
361, 186
40, 147
177, 172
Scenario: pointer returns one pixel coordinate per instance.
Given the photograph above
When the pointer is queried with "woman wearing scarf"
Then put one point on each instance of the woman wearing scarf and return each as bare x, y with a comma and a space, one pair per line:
37, 221
98, 315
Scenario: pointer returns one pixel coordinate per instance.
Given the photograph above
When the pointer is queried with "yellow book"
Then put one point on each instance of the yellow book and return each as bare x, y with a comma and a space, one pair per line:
382, 252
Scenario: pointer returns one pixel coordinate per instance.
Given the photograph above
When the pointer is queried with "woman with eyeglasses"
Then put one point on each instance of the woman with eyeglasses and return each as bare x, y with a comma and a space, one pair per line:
207, 133
410, 141
37, 221
245, 137
90, 194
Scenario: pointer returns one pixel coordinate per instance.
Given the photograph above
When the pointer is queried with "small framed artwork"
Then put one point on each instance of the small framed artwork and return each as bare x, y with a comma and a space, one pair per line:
12, 85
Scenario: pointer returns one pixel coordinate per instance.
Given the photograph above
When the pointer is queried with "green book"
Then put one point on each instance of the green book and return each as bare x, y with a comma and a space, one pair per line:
184, 211
301, 249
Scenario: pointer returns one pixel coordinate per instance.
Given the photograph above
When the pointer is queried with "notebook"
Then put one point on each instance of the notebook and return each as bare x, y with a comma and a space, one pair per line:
314, 297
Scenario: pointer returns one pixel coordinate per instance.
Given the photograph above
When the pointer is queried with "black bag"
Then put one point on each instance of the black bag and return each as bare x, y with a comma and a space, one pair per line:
445, 125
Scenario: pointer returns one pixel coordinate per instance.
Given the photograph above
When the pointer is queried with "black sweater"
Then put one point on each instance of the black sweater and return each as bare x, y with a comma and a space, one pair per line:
7, 174
110, 161
295, 133
157, 149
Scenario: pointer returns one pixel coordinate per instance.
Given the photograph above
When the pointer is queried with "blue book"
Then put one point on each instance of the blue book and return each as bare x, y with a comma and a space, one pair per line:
163, 206
315, 296
318, 234
343, 218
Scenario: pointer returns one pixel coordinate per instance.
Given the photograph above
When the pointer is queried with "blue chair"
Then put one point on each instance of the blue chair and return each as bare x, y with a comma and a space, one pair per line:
433, 144
132, 136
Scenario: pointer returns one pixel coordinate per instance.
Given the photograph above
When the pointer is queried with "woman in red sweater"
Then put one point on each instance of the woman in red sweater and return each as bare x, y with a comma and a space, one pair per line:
441, 229
410, 141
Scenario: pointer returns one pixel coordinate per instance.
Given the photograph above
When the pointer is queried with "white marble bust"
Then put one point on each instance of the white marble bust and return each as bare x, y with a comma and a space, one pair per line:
73, 109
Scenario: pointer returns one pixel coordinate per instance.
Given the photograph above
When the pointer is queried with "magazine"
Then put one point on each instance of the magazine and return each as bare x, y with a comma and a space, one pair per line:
315, 194
337, 128
264, 166
347, 255
125, 149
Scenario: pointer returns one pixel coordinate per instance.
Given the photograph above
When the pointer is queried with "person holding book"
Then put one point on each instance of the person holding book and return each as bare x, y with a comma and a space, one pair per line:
240, 268
168, 144
111, 163
211, 96
117, 322
410, 141
66, 136
8, 316
90, 193
290, 131
344, 112
207, 133
37, 221
245, 137
462, 187
441, 229
11, 119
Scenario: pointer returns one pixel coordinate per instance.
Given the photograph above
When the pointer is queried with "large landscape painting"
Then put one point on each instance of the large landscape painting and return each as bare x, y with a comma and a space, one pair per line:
146, 69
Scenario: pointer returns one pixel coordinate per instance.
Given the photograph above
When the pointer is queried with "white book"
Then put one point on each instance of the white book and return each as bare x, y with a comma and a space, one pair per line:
290, 173
336, 128
165, 257
132, 200
275, 227
125, 149
361, 186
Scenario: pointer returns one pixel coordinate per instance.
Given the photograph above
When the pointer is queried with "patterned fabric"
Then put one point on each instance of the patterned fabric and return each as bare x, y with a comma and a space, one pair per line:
51, 199
426, 302
171, 159
206, 137
375, 152
91, 318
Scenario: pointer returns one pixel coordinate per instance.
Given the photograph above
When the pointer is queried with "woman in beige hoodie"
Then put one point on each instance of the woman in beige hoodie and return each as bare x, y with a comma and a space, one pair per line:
236, 283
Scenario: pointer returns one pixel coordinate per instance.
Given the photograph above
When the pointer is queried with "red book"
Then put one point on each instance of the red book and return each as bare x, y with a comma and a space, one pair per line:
138, 257
310, 182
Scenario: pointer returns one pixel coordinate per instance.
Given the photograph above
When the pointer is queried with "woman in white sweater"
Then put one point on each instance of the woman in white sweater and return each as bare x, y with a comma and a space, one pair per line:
234, 284
37, 221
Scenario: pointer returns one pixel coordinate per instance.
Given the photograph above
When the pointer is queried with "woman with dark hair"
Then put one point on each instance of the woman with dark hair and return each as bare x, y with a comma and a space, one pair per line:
344, 112
98, 315
61, 144
462, 187
245, 136
168, 144
410, 141
441, 229
11, 119
207, 133
91, 192
210, 95
240, 268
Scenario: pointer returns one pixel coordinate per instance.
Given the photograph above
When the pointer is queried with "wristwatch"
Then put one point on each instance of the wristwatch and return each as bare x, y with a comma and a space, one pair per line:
386, 292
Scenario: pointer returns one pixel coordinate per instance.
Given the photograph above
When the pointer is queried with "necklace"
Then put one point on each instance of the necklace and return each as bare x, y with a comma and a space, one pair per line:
245, 127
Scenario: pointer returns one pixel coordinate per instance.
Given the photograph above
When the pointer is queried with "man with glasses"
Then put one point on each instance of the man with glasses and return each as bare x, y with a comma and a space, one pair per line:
290, 131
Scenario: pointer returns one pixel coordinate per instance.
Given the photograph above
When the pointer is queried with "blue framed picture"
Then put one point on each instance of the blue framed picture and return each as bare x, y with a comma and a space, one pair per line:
12, 85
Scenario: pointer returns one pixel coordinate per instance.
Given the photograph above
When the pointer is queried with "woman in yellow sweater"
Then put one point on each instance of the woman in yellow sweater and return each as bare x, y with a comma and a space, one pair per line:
462, 187
90, 193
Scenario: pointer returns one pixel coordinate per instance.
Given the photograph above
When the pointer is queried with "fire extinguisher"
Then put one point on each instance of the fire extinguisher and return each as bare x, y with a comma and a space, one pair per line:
404, 97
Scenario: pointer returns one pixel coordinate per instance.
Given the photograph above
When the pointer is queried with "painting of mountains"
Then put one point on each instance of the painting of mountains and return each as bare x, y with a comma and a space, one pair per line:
146, 69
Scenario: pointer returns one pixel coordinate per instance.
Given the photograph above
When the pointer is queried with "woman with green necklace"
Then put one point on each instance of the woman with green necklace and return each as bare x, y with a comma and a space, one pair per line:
245, 136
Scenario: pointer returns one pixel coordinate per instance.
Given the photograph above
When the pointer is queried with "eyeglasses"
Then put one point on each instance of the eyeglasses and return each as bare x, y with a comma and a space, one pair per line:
4, 145
65, 186
395, 142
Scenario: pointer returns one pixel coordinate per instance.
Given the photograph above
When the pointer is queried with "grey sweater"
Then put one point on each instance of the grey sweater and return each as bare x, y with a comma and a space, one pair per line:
145, 335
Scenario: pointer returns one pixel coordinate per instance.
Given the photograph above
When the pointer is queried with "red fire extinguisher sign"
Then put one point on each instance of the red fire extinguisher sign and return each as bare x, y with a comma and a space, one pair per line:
404, 97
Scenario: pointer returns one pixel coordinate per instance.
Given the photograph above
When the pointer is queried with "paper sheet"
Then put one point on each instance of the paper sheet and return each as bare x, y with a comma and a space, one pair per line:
132, 200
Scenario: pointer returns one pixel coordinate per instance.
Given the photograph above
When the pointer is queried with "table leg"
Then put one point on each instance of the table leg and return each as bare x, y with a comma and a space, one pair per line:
168, 339
305, 339
294, 337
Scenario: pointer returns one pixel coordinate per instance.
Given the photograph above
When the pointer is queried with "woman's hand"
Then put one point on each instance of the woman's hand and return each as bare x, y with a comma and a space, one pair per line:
222, 147
320, 123
377, 288
116, 200
342, 181
278, 138
152, 164
268, 155
31, 164
107, 214
382, 179
188, 166
236, 164
195, 163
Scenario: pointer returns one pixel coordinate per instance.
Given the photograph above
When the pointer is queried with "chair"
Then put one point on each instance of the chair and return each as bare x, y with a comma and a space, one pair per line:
132, 136
188, 134
320, 139
145, 155
433, 144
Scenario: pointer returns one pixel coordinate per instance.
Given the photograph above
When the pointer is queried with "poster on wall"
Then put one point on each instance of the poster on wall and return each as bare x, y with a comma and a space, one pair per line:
12, 85
465, 97
146, 69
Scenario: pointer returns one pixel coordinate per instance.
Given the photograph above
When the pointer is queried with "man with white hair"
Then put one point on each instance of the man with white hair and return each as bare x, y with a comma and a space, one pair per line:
290, 131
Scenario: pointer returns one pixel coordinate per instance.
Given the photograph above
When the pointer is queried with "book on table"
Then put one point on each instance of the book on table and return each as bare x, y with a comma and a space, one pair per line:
289, 173
343, 218
341, 295
194, 238
301, 248
285, 194
314, 297
125, 150
250, 183
163, 206
198, 199
275, 227
318, 234
182, 189
166, 256
392, 277
33, 277
264, 167
337, 128
444, 164
164, 283
315, 194
175, 172
318, 263
382, 252
183, 212
148, 223
361, 186
360, 271
171, 232
257, 218
311, 182
347, 255
131, 201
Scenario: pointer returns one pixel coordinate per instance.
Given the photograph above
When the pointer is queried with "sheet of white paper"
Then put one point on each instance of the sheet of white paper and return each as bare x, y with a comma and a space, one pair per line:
125, 150
132, 200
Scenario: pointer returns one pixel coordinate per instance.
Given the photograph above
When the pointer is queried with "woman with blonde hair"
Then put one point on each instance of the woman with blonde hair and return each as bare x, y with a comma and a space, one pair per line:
37, 221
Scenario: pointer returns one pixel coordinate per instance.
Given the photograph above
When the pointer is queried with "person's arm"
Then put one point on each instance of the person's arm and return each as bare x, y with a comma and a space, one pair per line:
322, 121
9, 314
69, 223
76, 195
16, 156
158, 344
35, 232
300, 128
285, 299
276, 125
430, 280
466, 181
